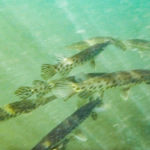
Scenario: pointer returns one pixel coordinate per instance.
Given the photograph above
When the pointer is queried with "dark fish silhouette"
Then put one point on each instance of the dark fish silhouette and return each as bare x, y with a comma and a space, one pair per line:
57, 136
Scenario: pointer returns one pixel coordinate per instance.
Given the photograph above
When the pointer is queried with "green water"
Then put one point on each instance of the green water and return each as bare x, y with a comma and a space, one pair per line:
36, 32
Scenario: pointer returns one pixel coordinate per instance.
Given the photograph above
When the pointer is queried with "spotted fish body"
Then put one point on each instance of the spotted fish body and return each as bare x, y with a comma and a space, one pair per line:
24, 106
115, 79
67, 64
100, 82
60, 132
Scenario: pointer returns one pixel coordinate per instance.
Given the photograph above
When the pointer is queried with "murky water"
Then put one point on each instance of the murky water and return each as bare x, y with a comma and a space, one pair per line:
36, 32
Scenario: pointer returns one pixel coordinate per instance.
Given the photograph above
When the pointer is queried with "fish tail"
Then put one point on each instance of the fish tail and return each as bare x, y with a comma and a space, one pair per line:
13, 109
19, 107
24, 92
47, 71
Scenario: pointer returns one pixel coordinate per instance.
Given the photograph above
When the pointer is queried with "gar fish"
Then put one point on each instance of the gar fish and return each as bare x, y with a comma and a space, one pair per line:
96, 40
139, 44
19, 107
99, 83
67, 64
60, 132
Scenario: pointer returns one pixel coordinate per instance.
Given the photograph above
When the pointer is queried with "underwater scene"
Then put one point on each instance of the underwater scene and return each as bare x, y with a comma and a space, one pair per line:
74, 75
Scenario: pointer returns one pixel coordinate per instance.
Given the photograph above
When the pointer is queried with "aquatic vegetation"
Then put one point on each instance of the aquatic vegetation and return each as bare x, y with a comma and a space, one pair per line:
67, 64
59, 134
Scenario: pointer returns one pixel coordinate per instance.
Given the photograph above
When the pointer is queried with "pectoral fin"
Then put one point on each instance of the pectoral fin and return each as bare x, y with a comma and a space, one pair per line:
94, 115
63, 89
79, 135
125, 93
118, 43
92, 63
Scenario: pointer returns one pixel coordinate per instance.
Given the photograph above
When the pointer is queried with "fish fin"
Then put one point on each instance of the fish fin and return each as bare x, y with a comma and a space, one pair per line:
62, 145
80, 77
72, 79
93, 64
78, 46
118, 43
24, 92
94, 115
125, 93
63, 89
60, 59
47, 71
38, 83
99, 109
79, 135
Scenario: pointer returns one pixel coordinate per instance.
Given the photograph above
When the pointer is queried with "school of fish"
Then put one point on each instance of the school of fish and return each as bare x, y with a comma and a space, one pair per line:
56, 83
